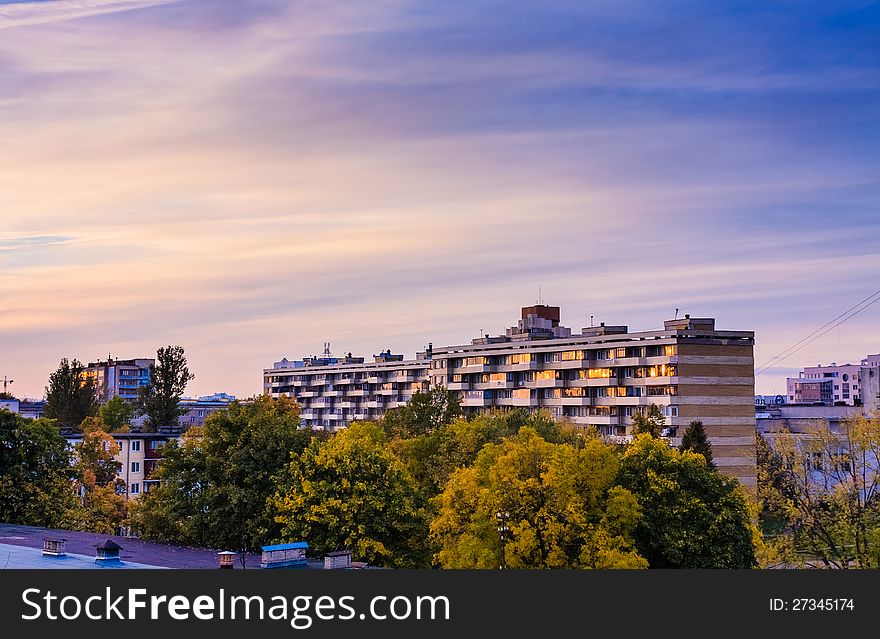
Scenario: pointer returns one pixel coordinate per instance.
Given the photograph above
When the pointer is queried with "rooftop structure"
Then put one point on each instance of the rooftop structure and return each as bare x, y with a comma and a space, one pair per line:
831, 384
119, 377
599, 378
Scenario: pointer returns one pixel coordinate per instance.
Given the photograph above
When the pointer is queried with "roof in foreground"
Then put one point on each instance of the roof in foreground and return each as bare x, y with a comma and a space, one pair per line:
22, 546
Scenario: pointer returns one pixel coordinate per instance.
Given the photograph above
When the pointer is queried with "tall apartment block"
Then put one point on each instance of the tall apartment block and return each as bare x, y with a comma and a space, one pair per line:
601, 377
122, 377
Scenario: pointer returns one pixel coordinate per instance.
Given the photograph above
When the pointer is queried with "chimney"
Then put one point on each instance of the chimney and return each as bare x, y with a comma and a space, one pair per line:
226, 559
337, 560
108, 553
54, 547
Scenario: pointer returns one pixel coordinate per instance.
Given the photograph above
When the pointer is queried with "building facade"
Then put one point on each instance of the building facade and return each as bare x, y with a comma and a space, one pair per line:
599, 378
198, 409
139, 456
119, 377
836, 383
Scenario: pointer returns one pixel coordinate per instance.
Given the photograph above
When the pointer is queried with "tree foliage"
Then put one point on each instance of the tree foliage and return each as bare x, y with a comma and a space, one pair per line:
169, 377
35, 473
431, 458
353, 492
102, 505
695, 440
827, 484
116, 414
693, 517
529, 503
70, 395
651, 422
423, 414
215, 485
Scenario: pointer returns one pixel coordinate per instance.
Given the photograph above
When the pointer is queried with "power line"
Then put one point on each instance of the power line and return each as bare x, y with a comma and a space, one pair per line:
819, 332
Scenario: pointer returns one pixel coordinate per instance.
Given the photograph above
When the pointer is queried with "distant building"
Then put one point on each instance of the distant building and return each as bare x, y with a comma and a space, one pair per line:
599, 378
830, 384
197, 410
29, 408
119, 377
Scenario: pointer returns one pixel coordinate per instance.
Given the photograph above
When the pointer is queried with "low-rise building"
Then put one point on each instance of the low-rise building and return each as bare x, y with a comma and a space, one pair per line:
832, 384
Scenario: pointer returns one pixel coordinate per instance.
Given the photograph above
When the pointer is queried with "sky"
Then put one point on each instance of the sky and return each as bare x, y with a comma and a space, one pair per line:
252, 178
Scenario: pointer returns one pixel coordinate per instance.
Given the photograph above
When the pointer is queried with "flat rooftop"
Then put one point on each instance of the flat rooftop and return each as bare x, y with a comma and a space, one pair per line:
22, 547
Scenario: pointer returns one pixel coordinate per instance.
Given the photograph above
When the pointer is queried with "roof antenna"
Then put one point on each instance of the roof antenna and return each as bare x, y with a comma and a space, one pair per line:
676, 314
326, 349
591, 321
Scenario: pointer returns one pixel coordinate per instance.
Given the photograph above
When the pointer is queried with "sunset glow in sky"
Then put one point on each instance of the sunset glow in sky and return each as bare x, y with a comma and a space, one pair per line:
249, 179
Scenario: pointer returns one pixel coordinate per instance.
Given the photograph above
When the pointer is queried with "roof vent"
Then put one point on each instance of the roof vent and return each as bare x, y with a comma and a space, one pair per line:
108, 552
54, 547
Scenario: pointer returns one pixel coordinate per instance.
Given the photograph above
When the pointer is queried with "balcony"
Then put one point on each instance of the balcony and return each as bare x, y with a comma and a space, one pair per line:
345, 404
598, 381
516, 401
458, 386
320, 402
387, 391
478, 368
357, 392
307, 394
375, 404
373, 379
476, 401
403, 378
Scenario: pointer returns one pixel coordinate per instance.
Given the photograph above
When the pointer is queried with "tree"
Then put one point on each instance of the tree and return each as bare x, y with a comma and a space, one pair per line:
353, 492
215, 485
529, 503
160, 398
431, 458
828, 482
651, 422
423, 414
4, 395
71, 396
35, 473
116, 414
693, 517
695, 440
103, 507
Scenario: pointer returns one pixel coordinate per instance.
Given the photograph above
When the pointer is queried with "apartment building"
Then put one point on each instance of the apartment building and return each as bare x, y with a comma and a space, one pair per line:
122, 377
139, 456
601, 377
835, 383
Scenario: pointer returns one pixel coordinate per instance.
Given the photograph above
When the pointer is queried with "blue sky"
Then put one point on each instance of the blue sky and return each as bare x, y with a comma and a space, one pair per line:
251, 179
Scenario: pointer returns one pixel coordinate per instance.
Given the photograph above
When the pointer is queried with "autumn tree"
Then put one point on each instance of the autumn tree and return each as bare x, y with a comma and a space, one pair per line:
830, 486
70, 395
215, 485
529, 503
650, 422
352, 491
103, 507
692, 516
116, 414
35, 473
423, 414
169, 376
695, 440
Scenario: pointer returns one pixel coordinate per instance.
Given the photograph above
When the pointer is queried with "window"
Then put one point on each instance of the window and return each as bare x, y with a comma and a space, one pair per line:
135, 467
135, 445
134, 488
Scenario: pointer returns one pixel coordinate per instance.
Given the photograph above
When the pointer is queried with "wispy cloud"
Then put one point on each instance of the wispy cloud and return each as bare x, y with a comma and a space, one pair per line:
252, 179
19, 14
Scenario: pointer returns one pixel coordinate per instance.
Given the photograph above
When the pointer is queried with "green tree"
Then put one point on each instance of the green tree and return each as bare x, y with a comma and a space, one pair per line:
423, 414
116, 414
695, 440
431, 458
71, 396
529, 503
4, 395
830, 488
693, 517
650, 422
35, 473
215, 485
160, 398
353, 492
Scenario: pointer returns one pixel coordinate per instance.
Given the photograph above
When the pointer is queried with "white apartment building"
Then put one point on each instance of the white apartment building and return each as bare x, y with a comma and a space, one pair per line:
601, 377
839, 382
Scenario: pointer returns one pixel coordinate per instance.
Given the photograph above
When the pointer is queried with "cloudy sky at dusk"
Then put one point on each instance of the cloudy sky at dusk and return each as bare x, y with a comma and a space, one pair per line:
252, 178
